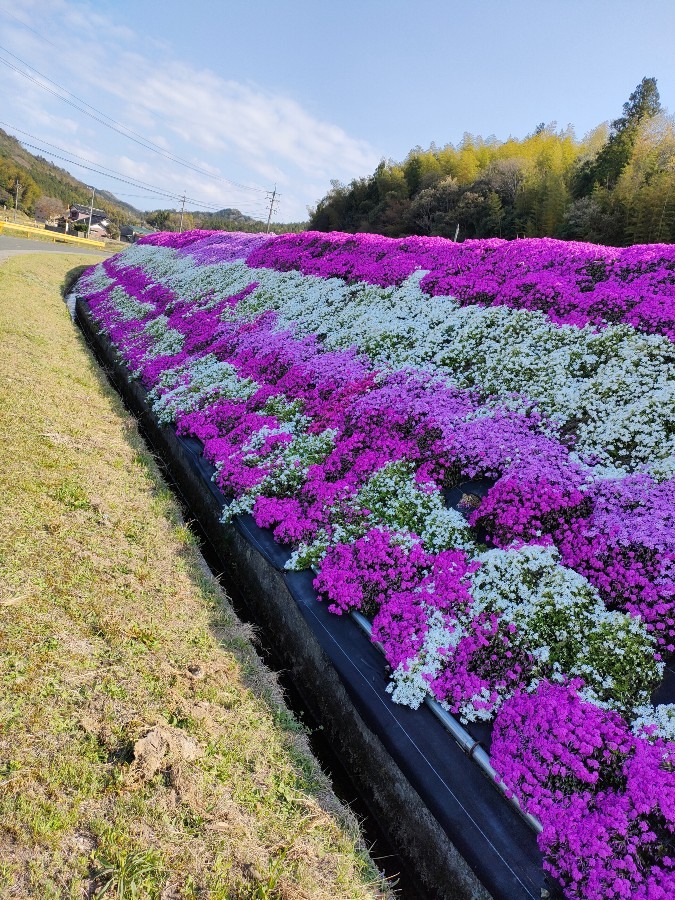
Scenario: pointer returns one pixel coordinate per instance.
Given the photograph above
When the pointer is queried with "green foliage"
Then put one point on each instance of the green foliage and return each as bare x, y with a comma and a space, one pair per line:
161, 219
615, 186
223, 220
126, 874
646, 187
16, 183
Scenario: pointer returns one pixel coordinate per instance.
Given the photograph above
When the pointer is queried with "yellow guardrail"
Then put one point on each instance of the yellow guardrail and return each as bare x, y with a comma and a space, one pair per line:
54, 236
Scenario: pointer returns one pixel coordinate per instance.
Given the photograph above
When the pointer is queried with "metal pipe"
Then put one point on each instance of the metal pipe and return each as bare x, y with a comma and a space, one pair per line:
470, 746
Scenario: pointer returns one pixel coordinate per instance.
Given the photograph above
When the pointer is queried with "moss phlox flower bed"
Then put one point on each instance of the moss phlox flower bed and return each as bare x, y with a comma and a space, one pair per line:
343, 384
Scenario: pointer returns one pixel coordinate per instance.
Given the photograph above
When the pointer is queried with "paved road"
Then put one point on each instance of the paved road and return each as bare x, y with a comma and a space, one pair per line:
13, 246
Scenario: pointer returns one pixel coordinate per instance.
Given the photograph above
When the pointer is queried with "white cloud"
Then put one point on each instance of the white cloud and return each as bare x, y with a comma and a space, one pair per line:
241, 131
215, 114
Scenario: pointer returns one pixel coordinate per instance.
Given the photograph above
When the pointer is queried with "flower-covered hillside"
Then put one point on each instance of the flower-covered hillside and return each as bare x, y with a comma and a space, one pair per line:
343, 385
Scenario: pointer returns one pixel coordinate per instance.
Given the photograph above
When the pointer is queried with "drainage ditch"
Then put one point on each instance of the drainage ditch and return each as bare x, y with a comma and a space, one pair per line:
387, 860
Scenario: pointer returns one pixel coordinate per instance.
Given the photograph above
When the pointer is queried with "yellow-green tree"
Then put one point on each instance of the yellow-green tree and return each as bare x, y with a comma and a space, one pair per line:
16, 186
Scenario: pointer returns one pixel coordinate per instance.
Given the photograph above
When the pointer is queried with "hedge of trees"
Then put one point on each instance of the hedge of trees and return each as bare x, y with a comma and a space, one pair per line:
225, 220
616, 186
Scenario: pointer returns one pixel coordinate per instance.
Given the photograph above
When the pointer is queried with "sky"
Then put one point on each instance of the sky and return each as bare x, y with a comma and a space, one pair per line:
222, 100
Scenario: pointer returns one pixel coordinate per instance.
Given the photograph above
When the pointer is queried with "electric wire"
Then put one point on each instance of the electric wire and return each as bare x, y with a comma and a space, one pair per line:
157, 191
29, 27
106, 172
119, 127
111, 123
103, 169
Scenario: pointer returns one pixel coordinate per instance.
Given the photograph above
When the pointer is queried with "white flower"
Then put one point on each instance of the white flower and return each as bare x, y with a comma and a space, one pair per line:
655, 721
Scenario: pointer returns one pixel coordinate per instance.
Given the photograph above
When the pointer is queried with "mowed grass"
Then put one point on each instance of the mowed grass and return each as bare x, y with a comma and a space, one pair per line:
144, 749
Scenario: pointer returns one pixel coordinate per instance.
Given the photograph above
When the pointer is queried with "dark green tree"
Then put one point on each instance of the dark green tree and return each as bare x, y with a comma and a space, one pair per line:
610, 162
160, 219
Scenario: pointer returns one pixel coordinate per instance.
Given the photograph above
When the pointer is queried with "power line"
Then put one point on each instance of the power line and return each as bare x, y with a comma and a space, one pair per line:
107, 174
29, 27
137, 196
119, 194
256, 214
113, 124
103, 170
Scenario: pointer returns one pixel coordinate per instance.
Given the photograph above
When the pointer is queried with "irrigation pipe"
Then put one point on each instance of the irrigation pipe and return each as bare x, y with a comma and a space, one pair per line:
471, 747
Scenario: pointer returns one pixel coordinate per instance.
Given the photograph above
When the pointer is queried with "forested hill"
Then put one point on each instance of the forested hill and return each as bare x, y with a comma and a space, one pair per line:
616, 186
222, 220
41, 180
46, 190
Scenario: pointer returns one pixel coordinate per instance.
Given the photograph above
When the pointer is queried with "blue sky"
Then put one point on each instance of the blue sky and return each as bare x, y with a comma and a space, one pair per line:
297, 93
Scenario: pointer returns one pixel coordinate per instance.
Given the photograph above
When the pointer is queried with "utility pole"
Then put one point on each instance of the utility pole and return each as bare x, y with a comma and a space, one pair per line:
91, 211
182, 210
272, 200
16, 198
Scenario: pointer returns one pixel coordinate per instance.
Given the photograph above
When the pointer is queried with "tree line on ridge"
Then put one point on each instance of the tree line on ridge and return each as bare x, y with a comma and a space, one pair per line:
615, 186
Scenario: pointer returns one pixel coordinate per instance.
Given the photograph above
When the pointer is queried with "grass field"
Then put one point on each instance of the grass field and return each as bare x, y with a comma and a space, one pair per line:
144, 749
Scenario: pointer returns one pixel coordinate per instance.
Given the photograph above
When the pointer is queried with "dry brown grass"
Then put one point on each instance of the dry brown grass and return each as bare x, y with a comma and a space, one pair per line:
143, 746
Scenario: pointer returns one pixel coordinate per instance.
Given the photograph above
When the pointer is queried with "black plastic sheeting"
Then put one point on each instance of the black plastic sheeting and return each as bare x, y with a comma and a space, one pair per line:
488, 832
665, 692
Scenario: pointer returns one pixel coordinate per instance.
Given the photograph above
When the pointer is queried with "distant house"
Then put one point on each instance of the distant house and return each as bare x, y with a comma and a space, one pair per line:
131, 233
98, 231
79, 216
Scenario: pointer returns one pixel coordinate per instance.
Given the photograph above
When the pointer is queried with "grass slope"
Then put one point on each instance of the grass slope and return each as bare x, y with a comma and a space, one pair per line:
144, 749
